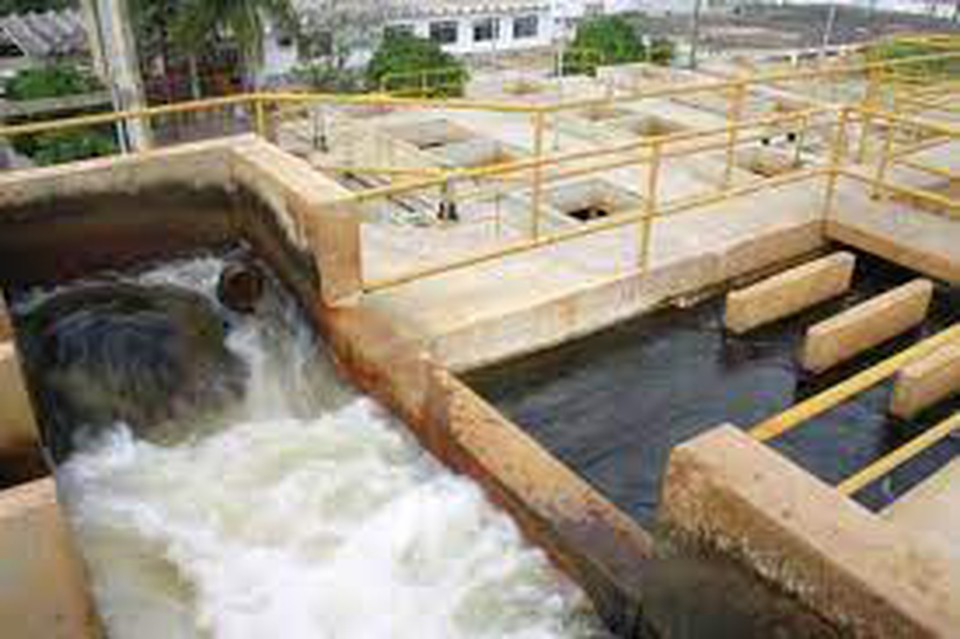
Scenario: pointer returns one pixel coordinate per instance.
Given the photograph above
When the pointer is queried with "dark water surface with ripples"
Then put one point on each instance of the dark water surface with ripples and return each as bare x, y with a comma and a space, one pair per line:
612, 406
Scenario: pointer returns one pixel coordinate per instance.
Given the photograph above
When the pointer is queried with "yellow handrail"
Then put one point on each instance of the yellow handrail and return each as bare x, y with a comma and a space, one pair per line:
833, 397
900, 456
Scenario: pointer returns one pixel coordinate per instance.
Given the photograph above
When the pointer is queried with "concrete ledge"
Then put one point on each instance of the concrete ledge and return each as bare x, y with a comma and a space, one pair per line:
876, 243
789, 293
18, 429
858, 329
43, 591
6, 328
588, 538
870, 578
931, 507
927, 382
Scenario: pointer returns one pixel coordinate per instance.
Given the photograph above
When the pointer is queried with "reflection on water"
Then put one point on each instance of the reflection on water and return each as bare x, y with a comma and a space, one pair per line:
302, 510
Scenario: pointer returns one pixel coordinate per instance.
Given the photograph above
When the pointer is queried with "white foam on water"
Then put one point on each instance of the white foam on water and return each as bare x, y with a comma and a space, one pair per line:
333, 524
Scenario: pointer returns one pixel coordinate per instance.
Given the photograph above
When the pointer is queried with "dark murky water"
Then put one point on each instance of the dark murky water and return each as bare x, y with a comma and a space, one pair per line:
612, 406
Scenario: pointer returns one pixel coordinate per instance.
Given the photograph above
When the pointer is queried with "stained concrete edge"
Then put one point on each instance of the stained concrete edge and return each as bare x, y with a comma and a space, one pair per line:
728, 491
43, 592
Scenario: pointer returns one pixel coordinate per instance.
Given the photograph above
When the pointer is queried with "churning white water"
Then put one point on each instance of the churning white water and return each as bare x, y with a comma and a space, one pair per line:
305, 512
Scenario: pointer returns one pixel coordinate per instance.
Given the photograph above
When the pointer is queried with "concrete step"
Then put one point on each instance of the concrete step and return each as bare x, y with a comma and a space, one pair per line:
932, 507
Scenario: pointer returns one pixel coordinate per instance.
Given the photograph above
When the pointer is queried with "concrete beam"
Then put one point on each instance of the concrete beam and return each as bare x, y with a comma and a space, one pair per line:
927, 382
789, 292
18, 427
865, 326
43, 591
6, 327
931, 507
868, 577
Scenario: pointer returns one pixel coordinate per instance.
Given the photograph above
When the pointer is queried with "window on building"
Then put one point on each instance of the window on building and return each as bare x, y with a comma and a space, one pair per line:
486, 30
444, 32
525, 27
398, 30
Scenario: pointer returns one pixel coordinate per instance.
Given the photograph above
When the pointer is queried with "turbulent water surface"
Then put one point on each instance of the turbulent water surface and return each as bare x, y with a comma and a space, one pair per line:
305, 511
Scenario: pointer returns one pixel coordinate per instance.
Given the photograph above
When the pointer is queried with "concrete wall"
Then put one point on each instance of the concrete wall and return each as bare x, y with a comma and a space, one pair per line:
927, 382
730, 492
42, 584
18, 429
789, 292
844, 336
586, 536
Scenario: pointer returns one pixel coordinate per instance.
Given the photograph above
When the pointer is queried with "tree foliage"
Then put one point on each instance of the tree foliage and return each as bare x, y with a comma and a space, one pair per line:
613, 39
200, 22
54, 147
50, 82
419, 66
27, 6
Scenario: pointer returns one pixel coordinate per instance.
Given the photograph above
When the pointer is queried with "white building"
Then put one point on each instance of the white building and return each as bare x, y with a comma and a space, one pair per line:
461, 27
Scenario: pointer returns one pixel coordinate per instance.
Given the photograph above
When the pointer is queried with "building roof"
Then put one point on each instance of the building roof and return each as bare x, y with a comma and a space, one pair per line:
44, 35
400, 9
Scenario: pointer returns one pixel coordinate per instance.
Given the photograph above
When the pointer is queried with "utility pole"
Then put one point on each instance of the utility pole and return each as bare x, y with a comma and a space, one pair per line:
828, 30
695, 32
117, 63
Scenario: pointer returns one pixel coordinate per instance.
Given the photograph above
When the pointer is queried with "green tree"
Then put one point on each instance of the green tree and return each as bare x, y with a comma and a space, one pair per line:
54, 147
26, 6
416, 65
611, 39
662, 51
200, 22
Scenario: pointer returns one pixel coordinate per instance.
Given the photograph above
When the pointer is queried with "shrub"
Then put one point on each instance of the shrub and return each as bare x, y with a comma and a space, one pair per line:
416, 65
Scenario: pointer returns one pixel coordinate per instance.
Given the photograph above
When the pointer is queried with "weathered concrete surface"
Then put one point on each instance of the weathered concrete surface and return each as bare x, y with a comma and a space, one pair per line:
868, 576
789, 293
513, 306
919, 240
930, 509
927, 382
18, 428
6, 328
586, 536
42, 585
858, 329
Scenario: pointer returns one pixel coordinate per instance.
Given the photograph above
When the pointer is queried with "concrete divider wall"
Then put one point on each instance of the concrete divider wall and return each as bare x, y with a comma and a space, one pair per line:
43, 592
865, 326
18, 429
6, 328
586, 536
732, 493
789, 292
927, 382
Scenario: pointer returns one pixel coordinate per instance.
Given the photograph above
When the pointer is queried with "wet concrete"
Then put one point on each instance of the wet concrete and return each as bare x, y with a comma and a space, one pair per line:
612, 406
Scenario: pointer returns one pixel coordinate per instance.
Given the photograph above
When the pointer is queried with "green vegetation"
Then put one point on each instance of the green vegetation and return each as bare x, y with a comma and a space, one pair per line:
328, 78
416, 66
616, 40
50, 82
928, 70
59, 146
198, 23
26, 6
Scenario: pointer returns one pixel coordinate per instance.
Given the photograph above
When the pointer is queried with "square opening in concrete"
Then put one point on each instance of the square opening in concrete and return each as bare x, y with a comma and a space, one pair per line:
476, 153
431, 134
591, 200
603, 113
651, 126
523, 87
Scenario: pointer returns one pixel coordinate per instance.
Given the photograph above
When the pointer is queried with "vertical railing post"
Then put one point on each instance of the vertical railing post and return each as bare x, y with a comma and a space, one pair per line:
734, 115
537, 187
645, 238
800, 140
884, 162
870, 101
837, 153
260, 117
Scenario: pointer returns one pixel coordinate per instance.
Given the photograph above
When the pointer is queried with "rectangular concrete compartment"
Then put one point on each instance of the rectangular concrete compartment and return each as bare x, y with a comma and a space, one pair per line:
790, 292
927, 382
862, 327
